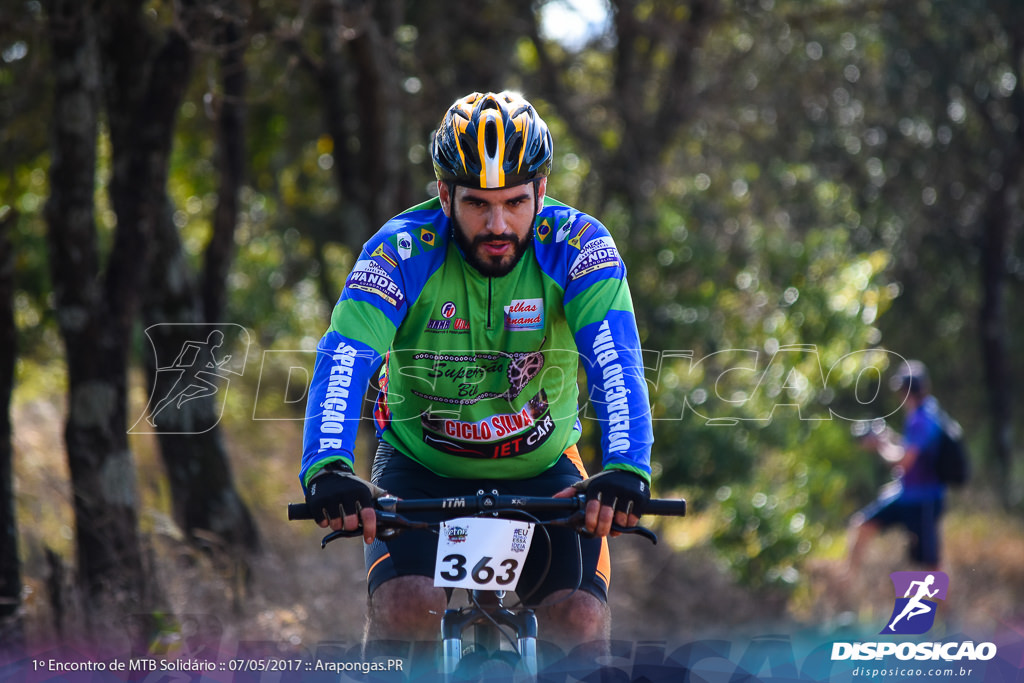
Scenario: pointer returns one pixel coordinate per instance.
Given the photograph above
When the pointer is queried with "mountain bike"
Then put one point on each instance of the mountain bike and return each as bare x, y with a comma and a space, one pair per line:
506, 634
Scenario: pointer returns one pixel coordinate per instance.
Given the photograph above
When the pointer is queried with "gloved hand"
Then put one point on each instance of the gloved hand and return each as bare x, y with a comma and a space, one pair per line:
338, 498
620, 489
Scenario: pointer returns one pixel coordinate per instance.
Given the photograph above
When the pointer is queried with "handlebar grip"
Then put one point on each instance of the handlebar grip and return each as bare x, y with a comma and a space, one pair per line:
669, 507
298, 511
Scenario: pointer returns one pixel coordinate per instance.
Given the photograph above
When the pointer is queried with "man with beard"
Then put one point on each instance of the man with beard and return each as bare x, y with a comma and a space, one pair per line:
481, 304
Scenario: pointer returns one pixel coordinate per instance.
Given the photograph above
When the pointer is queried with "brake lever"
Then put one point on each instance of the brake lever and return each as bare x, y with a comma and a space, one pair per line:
638, 530
335, 535
577, 518
390, 524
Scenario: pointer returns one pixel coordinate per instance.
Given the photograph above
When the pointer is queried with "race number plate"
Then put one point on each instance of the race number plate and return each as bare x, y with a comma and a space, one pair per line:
482, 553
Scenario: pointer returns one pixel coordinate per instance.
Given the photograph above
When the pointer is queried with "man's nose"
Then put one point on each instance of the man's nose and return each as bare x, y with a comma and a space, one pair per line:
497, 221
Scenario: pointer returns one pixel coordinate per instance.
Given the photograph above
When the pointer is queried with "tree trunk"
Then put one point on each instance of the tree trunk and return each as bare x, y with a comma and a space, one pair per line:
94, 316
11, 634
230, 41
206, 504
995, 334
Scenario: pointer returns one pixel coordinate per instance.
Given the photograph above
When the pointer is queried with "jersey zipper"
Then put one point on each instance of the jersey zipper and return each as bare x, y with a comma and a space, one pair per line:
490, 281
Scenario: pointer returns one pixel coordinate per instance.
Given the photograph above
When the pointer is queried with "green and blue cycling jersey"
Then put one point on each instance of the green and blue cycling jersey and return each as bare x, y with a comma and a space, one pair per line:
479, 374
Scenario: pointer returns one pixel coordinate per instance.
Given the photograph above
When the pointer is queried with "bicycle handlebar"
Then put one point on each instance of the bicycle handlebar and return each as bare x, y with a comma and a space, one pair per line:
487, 502
390, 509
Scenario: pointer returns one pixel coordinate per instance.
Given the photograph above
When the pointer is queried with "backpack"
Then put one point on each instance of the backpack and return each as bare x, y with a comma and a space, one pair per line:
951, 463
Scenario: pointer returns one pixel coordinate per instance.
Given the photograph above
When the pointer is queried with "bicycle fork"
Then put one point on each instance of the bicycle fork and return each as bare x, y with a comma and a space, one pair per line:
486, 612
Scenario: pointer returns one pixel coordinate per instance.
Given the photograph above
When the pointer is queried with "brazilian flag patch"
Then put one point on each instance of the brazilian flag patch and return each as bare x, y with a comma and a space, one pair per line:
427, 237
544, 230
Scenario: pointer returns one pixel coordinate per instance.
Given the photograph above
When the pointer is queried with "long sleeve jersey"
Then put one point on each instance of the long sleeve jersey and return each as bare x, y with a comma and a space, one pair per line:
479, 374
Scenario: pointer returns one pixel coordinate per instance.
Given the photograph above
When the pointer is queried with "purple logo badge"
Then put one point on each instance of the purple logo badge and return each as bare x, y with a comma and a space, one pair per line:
916, 601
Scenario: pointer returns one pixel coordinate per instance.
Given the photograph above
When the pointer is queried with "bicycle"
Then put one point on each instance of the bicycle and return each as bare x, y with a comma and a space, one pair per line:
486, 611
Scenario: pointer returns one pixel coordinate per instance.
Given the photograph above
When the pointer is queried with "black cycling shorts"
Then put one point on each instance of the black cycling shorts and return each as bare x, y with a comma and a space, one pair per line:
577, 562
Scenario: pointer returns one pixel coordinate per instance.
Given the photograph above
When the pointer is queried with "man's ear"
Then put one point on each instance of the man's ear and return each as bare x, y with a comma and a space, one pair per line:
446, 198
542, 188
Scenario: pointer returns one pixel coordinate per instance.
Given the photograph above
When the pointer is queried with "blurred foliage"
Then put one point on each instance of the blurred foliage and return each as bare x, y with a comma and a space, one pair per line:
816, 197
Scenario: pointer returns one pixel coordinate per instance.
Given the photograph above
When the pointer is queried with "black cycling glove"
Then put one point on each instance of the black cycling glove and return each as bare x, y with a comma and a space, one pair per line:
623, 490
336, 492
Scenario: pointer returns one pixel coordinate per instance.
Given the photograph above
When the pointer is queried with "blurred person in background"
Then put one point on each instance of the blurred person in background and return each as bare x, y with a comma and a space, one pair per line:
915, 498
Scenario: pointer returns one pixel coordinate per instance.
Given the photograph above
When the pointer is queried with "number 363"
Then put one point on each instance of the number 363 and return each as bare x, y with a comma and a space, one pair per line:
482, 572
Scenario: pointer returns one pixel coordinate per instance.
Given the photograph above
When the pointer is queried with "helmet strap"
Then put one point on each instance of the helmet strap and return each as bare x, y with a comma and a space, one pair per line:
536, 197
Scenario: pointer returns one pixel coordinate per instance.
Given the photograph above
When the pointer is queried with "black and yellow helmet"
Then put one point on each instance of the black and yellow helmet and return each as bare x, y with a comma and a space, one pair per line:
490, 141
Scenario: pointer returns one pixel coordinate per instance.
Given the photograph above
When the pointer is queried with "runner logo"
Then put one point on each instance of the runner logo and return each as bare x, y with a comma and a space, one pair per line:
916, 595
192, 368
914, 614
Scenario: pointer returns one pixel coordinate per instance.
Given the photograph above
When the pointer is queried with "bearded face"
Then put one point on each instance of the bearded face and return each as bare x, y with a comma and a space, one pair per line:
493, 227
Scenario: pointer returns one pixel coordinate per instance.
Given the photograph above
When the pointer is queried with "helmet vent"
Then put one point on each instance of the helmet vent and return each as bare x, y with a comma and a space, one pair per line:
491, 138
514, 149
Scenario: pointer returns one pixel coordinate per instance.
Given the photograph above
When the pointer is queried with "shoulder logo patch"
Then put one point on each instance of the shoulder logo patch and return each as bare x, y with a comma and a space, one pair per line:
575, 241
544, 230
596, 254
404, 244
369, 276
427, 237
383, 253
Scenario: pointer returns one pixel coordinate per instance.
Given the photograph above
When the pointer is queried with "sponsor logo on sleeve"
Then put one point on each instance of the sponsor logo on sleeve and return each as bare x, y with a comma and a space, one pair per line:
596, 254
369, 276
615, 391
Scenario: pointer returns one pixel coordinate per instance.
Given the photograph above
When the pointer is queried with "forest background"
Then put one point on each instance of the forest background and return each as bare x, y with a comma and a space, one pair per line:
803, 193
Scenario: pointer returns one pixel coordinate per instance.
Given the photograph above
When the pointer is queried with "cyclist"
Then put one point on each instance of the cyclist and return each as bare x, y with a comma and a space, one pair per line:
482, 303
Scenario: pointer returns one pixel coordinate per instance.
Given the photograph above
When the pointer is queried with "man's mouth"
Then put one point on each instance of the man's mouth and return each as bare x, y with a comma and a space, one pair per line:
496, 248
